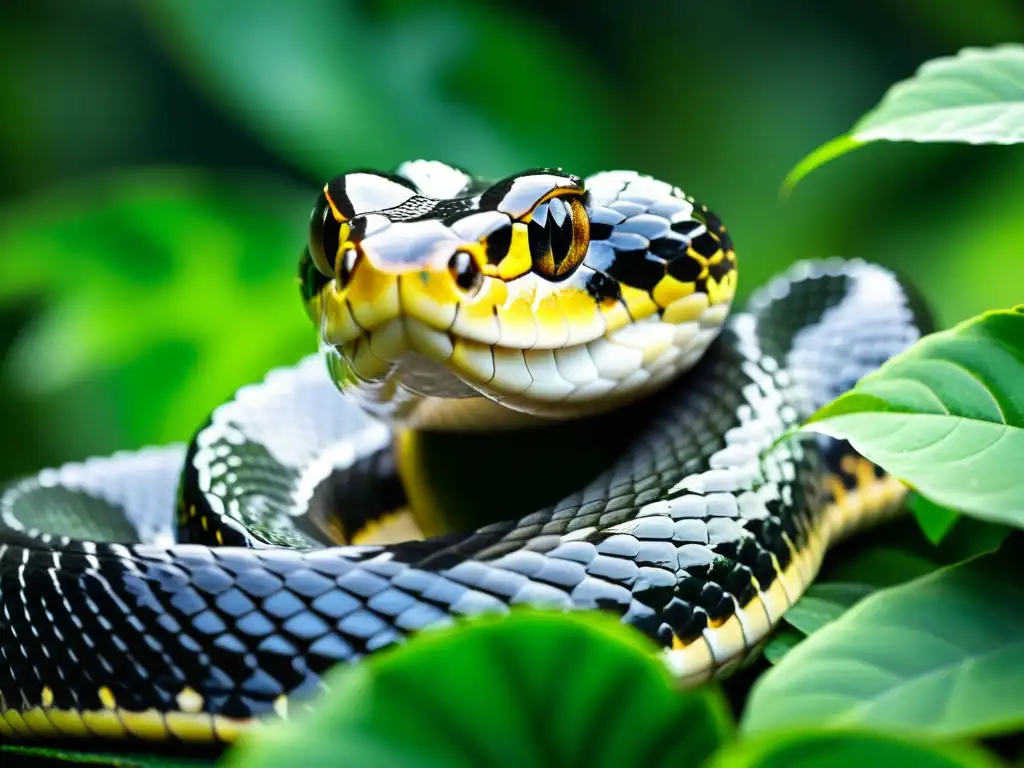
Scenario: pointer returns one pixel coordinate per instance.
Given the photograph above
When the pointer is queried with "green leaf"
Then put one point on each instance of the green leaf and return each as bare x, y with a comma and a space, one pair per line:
532, 688
823, 603
970, 538
880, 566
976, 96
941, 656
781, 643
935, 520
946, 417
173, 287
815, 749
334, 85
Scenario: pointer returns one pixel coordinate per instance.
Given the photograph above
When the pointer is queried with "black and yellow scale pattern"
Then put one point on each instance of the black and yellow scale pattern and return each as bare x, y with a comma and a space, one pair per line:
110, 626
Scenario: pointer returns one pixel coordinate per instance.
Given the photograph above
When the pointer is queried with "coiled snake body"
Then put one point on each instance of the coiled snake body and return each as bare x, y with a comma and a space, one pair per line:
309, 529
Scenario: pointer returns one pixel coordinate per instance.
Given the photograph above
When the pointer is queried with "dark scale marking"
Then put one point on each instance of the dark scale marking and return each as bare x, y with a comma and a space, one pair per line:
685, 268
668, 248
637, 269
497, 244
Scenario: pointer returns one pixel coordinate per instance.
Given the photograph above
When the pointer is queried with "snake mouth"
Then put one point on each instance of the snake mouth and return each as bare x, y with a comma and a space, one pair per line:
524, 344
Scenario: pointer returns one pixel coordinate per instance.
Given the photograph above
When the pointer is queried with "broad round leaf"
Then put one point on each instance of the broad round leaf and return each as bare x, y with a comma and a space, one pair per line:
946, 416
942, 655
823, 603
975, 97
816, 749
531, 688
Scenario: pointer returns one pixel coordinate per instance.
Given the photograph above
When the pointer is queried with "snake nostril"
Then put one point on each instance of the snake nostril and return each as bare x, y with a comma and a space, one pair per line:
465, 272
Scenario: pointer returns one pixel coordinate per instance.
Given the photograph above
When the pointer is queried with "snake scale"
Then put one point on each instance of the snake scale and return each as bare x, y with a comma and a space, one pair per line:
181, 593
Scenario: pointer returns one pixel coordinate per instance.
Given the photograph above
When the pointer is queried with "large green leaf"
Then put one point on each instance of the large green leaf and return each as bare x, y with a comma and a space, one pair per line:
942, 655
330, 85
946, 416
823, 603
935, 520
816, 749
528, 689
175, 287
975, 97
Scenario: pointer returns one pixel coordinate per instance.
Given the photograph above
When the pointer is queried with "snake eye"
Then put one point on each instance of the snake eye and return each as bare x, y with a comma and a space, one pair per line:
465, 272
324, 236
559, 234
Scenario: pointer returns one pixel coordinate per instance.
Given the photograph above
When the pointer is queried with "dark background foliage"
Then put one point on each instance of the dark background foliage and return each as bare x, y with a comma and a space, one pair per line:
159, 158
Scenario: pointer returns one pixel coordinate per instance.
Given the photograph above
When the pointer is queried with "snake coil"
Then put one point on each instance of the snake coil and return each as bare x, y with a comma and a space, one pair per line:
442, 301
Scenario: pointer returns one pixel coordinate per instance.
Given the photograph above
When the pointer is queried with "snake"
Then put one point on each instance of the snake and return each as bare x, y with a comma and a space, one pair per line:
187, 592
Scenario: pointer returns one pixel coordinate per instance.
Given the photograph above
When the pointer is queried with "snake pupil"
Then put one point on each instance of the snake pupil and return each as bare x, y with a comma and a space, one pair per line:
559, 235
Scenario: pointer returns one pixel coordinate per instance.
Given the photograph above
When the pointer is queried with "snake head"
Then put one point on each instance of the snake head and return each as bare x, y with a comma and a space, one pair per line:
536, 291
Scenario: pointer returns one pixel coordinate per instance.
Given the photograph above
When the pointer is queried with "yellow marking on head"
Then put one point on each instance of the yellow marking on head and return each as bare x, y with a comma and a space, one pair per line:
338, 323
517, 261
219, 536
107, 697
581, 314
373, 296
430, 297
639, 303
476, 316
518, 326
615, 315
47, 696
687, 309
192, 510
189, 700
203, 521
669, 289
552, 329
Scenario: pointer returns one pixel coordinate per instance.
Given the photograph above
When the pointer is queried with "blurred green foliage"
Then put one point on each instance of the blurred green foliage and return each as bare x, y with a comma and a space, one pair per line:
160, 157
